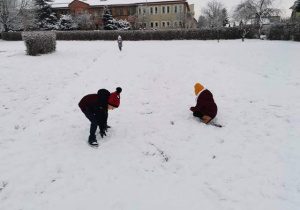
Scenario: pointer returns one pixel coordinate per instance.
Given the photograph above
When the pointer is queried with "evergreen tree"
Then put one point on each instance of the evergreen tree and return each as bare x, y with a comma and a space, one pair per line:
108, 20
225, 17
46, 16
297, 6
67, 22
202, 22
113, 24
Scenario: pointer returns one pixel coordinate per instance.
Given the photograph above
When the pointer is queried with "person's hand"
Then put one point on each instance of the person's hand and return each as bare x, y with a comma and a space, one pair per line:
102, 133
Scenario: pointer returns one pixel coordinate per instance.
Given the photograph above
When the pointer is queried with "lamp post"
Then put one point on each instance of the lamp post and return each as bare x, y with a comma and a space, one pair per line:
145, 13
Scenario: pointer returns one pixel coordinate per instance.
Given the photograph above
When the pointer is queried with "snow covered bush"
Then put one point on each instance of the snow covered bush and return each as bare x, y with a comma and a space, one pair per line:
39, 42
67, 22
123, 25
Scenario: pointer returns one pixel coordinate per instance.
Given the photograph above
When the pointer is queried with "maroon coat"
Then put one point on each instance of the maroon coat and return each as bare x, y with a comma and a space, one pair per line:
206, 104
97, 104
88, 101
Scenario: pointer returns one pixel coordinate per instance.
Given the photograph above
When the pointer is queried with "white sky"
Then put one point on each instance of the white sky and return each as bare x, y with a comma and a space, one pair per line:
283, 4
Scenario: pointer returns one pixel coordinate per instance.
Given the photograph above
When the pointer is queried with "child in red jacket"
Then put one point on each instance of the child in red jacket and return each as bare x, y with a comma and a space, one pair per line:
206, 108
95, 107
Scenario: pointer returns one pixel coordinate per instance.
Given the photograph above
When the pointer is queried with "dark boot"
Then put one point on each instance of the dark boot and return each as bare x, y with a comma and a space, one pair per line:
93, 141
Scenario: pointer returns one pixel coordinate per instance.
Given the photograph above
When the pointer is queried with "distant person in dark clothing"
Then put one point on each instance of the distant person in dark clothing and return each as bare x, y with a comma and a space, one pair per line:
120, 42
95, 107
206, 108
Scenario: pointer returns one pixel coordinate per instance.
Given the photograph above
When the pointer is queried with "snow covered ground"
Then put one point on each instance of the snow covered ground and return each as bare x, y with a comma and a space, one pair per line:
156, 155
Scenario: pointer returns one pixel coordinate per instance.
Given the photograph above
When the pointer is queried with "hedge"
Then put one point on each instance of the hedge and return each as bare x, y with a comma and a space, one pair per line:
284, 31
197, 34
39, 42
188, 34
12, 36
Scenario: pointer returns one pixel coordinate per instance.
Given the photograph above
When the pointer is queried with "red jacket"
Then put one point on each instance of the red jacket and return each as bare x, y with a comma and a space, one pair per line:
88, 101
206, 104
97, 104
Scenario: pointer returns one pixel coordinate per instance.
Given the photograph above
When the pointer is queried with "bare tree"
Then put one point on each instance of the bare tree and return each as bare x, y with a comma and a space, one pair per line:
11, 10
256, 10
84, 20
142, 17
185, 19
213, 12
27, 19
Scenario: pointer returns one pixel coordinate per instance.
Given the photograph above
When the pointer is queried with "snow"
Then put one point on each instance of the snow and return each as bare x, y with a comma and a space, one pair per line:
156, 155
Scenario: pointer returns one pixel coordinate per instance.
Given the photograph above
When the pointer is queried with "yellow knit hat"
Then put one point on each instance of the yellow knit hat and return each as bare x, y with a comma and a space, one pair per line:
198, 88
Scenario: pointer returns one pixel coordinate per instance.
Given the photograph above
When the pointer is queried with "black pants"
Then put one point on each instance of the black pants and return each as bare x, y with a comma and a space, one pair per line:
94, 123
198, 114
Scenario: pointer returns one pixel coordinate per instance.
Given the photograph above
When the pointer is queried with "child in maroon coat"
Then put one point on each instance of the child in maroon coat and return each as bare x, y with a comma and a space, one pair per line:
206, 108
95, 107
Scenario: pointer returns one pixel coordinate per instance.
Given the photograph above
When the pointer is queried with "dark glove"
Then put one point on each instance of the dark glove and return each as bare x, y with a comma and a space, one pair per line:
192, 109
102, 133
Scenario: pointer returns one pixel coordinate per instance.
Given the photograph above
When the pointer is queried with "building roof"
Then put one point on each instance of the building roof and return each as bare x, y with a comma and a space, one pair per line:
65, 3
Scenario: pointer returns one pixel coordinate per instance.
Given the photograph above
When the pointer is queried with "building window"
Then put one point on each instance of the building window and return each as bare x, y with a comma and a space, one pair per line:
156, 10
140, 11
166, 24
151, 10
175, 9
121, 11
132, 11
117, 12
154, 24
180, 8
168, 9
128, 11
163, 9
175, 24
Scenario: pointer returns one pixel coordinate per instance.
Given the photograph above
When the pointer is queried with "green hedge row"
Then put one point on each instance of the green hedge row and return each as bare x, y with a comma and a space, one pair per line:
203, 34
12, 36
284, 31
191, 34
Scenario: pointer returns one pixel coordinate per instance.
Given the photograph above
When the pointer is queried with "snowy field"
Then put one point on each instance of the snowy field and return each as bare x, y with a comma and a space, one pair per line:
156, 155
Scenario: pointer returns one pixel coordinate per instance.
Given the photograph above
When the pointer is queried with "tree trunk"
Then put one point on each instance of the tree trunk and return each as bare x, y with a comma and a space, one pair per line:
5, 27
